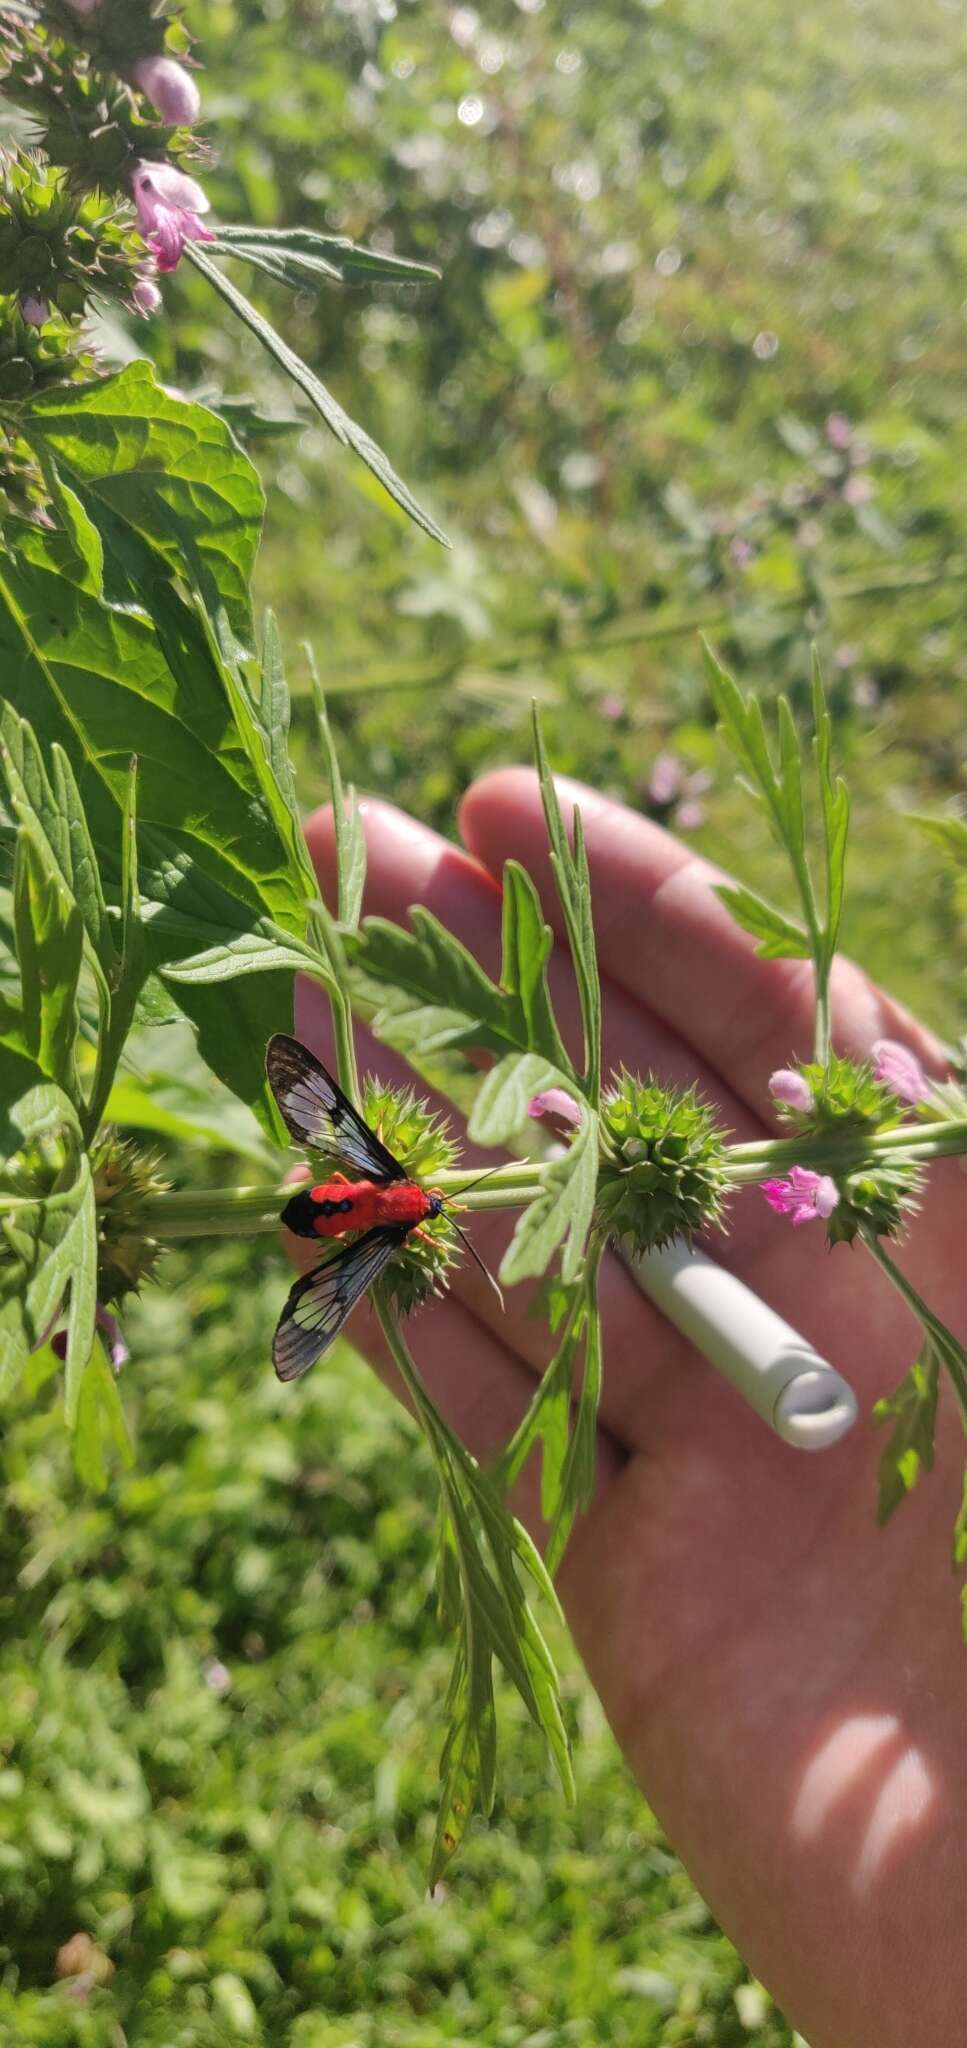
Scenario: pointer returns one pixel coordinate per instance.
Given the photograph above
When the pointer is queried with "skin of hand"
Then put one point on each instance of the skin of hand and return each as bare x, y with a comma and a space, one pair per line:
788, 1681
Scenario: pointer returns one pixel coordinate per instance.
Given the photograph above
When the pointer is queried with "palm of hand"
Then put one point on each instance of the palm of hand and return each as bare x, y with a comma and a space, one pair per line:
786, 1679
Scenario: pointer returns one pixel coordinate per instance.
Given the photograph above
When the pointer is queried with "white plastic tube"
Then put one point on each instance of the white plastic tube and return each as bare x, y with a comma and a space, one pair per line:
797, 1392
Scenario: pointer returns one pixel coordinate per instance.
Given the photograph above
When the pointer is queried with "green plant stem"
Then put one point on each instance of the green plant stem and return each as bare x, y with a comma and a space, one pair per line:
950, 1351
850, 1153
551, 642
251, 1212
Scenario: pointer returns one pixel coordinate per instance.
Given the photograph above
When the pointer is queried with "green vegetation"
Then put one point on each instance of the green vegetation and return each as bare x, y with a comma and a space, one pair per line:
673, 245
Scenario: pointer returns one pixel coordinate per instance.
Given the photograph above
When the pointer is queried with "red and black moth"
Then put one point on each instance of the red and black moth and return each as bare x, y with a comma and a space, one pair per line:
384, 1206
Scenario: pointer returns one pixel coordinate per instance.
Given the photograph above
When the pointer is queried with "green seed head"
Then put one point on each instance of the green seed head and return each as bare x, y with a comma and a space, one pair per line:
663, 1169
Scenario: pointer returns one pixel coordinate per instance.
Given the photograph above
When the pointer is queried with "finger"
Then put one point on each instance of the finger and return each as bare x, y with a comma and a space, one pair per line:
407, 863
668, 940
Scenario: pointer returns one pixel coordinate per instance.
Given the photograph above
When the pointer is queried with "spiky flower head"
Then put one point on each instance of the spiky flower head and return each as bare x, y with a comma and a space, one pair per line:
123, 1174
422, 1144
843, 1096
58, 246
663, 1170
875, 1203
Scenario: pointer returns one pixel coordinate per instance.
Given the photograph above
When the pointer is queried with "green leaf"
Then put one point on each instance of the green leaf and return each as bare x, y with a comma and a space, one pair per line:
563, 1210
48, 1242
80, 532
950, 833
913, 1412
780, 938
297, 255
55, 814
49, 946
834, 801
77, 1251
328, 408
86, 673
220, 1124
572, 880
428, 990
741, 722
274, 712
167, 469
100, 1427
527, 946
500, 1104
347, 823
258, 951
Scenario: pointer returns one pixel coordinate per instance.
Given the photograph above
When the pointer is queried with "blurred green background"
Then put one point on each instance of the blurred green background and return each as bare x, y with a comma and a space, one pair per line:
697, 357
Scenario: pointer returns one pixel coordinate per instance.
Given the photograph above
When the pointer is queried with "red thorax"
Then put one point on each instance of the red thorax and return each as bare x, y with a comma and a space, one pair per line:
342, 1205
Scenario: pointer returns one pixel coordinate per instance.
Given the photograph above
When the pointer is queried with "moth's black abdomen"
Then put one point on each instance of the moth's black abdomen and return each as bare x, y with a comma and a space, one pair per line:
299, 1215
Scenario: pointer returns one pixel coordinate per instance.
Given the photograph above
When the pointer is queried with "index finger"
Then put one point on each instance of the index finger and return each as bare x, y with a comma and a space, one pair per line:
666, 937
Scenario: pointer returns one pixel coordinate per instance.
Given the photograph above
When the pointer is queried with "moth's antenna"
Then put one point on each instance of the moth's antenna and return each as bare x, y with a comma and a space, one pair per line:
485, 1270
480, 1177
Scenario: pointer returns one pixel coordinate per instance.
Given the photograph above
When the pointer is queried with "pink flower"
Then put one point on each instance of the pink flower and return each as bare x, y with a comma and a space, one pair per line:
84, 6
900, 1070
839, 433
556, 1102
803, 1196
170, 88
34, 310
665, 780
857, 490
168, 204
789, 1087
146, 297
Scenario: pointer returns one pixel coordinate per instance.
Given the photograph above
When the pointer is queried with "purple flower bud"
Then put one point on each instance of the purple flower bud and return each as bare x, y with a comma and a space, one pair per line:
789, 1087
218, 1678
34, 310
900, 1070
146, 297
556, 1102
170, 88
117, 1350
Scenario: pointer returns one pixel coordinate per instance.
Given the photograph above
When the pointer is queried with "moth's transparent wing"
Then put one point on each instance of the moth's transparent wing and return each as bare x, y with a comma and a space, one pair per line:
320, 1302
317, 1113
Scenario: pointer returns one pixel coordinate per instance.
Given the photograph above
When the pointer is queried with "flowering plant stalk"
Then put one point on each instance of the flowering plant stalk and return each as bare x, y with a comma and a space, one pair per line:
134, 678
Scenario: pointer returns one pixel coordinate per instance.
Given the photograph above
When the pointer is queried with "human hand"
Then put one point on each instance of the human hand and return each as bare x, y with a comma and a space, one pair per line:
787, 1680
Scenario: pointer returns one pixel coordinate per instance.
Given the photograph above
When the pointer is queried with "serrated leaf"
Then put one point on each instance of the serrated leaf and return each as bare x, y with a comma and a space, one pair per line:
572, 881
85, 672
344, 261
100, 1427
780, 937
53, 809
347, 823
337, 420
274, 710
562, 1211
527, 944
81, 534
834, 801
429, 990
913, 1413
251, 952
166, 468
49, 946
